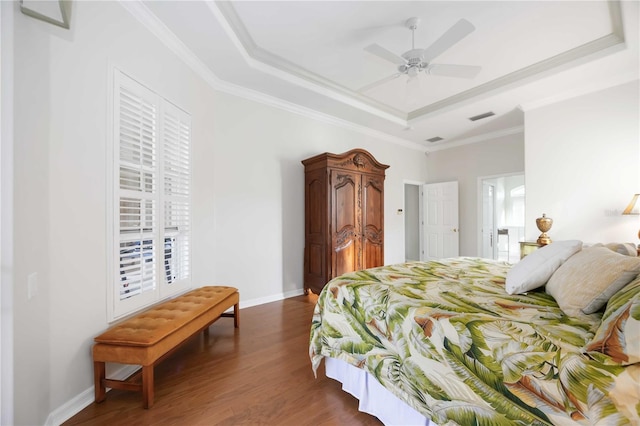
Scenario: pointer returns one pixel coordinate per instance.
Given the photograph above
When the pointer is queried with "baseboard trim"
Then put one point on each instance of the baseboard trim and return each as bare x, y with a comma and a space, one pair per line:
268, 299
86, 397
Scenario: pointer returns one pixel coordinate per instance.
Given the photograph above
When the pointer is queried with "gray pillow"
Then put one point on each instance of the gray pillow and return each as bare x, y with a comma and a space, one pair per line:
587, 280
534, 270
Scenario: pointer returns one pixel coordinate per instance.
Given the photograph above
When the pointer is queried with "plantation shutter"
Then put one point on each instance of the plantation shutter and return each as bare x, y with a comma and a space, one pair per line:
152, 198
136, 130
176, 194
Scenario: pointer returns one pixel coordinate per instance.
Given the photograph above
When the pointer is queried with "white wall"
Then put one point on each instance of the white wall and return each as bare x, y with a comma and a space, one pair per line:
465, 164
247, 191
32, 328
6, 213
583, 165
258, 198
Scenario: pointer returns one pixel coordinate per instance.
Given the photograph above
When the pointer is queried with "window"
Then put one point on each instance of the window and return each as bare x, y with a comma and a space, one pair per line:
152, 204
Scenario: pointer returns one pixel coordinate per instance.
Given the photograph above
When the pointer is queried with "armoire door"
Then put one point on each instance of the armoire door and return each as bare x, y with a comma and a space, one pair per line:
373, 221
315, 259
344, 223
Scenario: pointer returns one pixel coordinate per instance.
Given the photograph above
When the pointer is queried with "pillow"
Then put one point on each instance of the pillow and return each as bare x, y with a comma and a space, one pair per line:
534, 270
585, 282
617, 335
628, 249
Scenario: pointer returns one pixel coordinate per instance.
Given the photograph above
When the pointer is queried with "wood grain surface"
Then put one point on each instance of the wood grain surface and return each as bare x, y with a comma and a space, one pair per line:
259, 374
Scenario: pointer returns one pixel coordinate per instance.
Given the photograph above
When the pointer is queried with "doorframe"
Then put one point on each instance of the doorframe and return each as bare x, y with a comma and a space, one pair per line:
494, 239
479, 210
404, 223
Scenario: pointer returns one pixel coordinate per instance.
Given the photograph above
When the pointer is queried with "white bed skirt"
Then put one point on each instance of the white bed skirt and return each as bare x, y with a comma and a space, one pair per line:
374, 398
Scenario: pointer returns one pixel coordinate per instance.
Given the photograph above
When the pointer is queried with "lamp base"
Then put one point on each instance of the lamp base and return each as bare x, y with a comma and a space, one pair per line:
543, 239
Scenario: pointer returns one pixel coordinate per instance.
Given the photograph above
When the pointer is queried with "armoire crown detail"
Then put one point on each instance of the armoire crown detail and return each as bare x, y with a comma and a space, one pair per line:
358, 160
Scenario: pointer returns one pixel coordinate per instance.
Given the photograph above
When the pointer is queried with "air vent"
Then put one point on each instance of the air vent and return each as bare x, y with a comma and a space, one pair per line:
435, 139
481, 116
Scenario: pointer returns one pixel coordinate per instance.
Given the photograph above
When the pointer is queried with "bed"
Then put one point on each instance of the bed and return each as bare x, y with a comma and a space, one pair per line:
444, 341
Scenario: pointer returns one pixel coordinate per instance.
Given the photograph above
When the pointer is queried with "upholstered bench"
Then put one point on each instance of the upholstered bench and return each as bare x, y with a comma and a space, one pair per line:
151, 335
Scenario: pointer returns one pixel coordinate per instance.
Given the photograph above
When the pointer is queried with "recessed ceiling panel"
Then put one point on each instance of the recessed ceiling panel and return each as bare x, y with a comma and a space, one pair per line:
309, 57
328, 39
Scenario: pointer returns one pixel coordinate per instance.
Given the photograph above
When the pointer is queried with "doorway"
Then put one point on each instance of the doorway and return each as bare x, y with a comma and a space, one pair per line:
412, 210
430, 220
440, 220
501, 207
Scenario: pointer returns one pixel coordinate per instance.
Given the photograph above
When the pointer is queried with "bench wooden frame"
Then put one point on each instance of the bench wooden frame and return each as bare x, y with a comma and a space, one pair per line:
153, 348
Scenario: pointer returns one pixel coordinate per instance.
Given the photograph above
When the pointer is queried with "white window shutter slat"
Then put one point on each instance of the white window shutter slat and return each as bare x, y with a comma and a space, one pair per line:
177, 188
136, 122
152, 193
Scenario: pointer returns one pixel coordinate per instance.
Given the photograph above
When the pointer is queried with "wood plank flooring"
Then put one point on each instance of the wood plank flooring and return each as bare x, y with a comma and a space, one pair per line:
259, 374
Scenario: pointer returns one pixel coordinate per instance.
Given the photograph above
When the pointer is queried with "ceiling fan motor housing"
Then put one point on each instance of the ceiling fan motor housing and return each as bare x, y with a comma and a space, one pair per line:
414, 63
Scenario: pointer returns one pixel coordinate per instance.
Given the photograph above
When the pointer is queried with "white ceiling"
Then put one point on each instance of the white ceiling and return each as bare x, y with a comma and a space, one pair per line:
309, 56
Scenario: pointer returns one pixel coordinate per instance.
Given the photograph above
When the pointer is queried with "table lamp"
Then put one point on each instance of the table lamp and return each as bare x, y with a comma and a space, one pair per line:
544, 224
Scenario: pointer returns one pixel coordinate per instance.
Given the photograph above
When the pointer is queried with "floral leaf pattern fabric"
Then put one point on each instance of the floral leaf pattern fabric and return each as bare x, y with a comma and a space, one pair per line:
619, 333
446, 338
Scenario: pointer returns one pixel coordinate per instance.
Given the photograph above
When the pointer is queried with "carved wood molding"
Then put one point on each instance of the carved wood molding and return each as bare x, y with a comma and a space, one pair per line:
373, 235
344, 180
358, 160
344, 238
376, 183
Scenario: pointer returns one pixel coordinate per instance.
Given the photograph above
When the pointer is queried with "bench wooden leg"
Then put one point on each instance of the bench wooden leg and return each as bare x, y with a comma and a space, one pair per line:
98, 377
235, 315
147, 386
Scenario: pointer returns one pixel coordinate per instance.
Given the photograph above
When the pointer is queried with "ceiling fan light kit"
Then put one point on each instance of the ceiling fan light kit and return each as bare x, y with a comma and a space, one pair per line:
414, 61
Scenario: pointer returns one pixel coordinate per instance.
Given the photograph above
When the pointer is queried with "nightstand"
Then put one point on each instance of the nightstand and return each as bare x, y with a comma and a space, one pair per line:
528, 247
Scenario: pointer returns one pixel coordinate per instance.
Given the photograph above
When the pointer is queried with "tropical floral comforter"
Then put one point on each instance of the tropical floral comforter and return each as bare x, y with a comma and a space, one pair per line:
445, 337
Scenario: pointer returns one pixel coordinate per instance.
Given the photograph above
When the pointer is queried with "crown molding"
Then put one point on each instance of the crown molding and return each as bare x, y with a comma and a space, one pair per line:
139, 11
265, 61
475, 139
283, 69
280, 68
597, 48
570, 94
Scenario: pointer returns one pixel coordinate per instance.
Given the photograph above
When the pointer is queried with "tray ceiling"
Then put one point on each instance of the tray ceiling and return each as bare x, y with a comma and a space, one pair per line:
311, 54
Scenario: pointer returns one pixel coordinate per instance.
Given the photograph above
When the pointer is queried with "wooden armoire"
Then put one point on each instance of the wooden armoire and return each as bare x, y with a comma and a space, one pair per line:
344, 215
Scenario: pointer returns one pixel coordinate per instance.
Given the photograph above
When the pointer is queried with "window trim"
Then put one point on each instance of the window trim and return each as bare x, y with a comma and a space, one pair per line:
117, 308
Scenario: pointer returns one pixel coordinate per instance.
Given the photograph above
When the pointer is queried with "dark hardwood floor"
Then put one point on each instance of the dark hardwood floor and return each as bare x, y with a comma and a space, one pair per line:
259, 374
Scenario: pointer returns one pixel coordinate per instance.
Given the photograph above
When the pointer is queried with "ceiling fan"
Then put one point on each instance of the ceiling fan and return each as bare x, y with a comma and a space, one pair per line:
415, 61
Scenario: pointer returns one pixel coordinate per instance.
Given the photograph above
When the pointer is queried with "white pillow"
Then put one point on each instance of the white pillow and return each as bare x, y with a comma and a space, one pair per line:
534, 270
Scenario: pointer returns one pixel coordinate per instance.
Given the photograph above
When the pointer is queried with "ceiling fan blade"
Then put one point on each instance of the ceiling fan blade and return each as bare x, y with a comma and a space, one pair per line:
385, 54
457, 32
458, 71
379, 82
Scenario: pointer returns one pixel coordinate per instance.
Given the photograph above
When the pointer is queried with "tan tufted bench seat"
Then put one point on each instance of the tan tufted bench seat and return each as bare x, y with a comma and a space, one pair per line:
148, 337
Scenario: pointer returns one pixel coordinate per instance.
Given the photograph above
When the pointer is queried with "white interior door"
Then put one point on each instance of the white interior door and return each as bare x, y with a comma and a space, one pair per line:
440, 221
